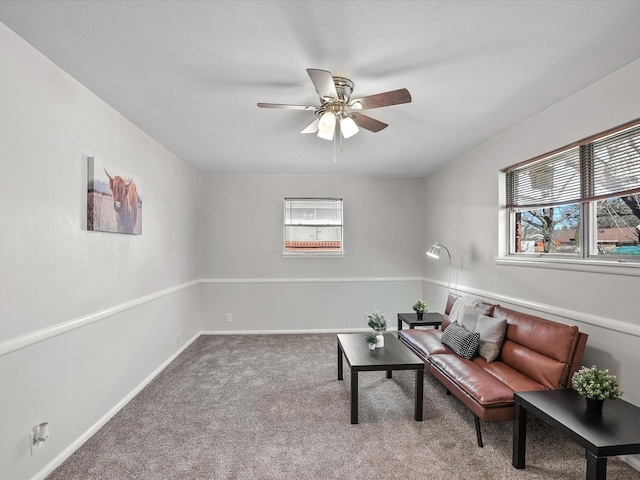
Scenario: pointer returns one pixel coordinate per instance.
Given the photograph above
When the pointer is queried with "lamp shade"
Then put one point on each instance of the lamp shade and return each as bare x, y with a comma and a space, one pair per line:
327, 125
434, 251
348, 127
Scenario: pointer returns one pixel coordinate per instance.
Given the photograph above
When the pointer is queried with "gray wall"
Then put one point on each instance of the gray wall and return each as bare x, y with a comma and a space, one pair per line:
244, 273
86, 318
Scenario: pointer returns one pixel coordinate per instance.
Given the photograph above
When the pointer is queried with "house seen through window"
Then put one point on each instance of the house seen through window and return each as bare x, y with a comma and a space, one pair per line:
581, 202
313, 225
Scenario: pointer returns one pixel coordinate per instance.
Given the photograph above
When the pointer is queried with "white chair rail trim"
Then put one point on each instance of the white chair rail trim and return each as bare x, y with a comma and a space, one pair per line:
571, 315
43, 334
31, 338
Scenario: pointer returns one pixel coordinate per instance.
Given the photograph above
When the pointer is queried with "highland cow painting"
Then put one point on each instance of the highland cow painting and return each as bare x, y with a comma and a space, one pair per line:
114, 202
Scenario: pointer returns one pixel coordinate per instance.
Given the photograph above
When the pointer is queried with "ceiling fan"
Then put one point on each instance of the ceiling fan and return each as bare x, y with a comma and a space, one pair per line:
337, 111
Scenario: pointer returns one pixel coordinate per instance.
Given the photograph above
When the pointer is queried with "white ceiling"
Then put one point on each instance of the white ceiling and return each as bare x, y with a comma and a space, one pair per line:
189, 73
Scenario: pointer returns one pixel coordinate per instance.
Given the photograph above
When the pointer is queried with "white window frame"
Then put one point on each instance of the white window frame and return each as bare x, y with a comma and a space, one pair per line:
310, 251
588, 257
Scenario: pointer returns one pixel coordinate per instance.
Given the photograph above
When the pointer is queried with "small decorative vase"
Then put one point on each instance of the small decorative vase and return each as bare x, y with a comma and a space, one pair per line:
372, 346
594, 405
380, 338
420, 315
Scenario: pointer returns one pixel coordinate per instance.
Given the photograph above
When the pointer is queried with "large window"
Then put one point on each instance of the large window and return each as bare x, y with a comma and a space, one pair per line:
582, 201
313, 226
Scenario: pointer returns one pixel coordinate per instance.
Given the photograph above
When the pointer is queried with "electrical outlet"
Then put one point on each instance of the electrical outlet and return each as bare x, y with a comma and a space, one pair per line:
229, 318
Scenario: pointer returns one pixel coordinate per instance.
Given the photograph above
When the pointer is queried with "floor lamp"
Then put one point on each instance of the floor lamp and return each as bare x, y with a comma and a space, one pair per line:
434, 252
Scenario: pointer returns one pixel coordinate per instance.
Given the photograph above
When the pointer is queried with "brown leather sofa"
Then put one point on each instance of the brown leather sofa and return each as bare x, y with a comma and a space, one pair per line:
536, 354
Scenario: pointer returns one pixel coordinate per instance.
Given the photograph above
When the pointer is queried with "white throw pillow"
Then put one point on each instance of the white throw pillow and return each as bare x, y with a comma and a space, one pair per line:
491, 332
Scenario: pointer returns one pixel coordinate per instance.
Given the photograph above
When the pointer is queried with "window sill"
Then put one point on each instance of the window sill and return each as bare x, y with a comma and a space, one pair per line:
611, 267
313, 255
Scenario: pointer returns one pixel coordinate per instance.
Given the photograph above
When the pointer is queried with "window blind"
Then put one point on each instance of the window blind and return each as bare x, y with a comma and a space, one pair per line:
616, 165
553, 180
603, 166
313, 211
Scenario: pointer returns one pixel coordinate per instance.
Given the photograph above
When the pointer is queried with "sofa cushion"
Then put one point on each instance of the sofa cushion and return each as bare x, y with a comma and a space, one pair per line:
542, 369
541, 349
491, 332
461, 341
424, 342
516, 381
476, 382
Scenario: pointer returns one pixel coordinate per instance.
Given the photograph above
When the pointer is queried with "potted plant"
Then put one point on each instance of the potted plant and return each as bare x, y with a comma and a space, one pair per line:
595, 385
420, 308
371, 341
378, 322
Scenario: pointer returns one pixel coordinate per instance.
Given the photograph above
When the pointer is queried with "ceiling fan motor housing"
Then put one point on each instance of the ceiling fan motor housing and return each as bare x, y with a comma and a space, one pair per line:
344, 87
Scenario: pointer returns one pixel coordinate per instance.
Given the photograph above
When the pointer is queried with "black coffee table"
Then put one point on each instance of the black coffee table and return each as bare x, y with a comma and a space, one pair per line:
432, 319
616, 431
393, 356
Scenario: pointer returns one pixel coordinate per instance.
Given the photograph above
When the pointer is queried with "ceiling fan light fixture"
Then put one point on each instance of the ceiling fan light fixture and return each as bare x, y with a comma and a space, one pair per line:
348, 127
327, 125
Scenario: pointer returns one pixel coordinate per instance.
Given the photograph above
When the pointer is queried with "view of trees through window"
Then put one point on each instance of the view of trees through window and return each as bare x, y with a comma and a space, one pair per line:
557, 229
548, 230
618, 229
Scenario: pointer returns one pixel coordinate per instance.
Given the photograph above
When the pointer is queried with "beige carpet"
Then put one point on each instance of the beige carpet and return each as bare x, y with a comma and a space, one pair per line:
270, 407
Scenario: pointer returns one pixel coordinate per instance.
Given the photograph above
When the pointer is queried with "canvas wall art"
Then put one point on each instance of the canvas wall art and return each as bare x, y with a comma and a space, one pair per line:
114, 200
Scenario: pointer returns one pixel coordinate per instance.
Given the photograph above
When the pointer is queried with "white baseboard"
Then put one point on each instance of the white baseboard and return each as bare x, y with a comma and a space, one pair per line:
290, 332
632, 460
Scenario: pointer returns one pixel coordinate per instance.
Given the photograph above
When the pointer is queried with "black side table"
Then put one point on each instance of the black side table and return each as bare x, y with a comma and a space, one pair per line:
616, 431
432, 319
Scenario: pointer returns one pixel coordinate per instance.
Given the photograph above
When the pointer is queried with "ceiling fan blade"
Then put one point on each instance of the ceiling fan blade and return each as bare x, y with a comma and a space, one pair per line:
368, 123
312, 127
323, 81
394, 97
309, 108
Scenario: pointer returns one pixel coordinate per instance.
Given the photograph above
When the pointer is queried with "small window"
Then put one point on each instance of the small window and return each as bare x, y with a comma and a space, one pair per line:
313, 226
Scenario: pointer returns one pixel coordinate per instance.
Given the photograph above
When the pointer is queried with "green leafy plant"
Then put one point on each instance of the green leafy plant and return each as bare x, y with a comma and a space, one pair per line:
420, 306
371, 339
595, 383
377, 321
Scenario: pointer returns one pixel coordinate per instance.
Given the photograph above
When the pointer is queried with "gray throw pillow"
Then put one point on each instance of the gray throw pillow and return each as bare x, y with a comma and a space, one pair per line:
461, 341
469, 316
491, 332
